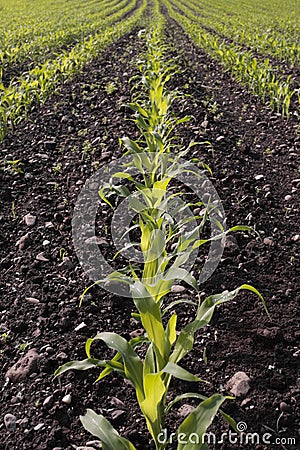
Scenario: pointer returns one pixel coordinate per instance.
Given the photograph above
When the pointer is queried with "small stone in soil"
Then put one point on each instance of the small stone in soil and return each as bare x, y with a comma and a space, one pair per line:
117, 413
288, 198
284, 407
23, 422
96, 240
30, 220
85, 448
116, 402
273, 333
95, 444
49, 225
239, 384
185, 410
10, 422
231, 245
23, 367
24, 242
32, 300
41, 257
80, 326
94, 186
38, 427
258, 177
62, 355
246, 402
67, 399
138, 332
48, 402
268, 241
176, 288
49, 350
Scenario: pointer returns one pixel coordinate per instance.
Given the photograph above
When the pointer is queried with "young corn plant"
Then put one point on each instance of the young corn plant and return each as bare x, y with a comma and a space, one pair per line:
40, 82
259, 76
150, 371
166, 345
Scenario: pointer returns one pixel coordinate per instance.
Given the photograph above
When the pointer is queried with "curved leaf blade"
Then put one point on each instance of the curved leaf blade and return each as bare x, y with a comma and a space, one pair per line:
100, 427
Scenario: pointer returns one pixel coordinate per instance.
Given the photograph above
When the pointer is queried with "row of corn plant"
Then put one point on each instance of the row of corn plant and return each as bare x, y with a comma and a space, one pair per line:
269, 14
40, 82
257, 75
252, 30
37, 48
165, 247
20, 23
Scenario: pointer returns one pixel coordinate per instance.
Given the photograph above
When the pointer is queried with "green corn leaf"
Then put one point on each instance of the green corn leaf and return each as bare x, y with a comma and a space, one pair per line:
123, 175
100, 427
114, 363
171, 329
85, 364
205, 312
184, 396
133, 365
154, 389
136, 205
136, 316
241, 228
198, 421
183, 120
188, 395
151, 317
152, 405
138, 108
131, 145
170, 335
200, 242
179, 372
105, 372
149, 363
248, 287
103, 197
157, 245
177, 273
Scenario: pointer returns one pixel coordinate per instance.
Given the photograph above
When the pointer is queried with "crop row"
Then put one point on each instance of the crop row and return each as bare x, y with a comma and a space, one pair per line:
269, 14
276, 38
21, 21
40, 82
167, 238
258, 75
41, 43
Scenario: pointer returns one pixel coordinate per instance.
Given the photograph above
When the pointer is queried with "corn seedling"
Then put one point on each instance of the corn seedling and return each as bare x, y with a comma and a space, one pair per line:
151, 199
41, 81
257, 74
12, 166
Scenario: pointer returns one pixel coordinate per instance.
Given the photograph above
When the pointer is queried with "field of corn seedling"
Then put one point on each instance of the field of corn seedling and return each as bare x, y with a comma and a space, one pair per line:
150, 240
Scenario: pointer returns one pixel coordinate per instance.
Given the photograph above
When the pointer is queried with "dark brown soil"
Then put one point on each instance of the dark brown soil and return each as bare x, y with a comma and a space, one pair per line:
60, 145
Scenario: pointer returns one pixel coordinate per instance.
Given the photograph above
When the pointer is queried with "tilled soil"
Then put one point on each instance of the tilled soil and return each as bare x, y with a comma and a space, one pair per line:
255, 164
